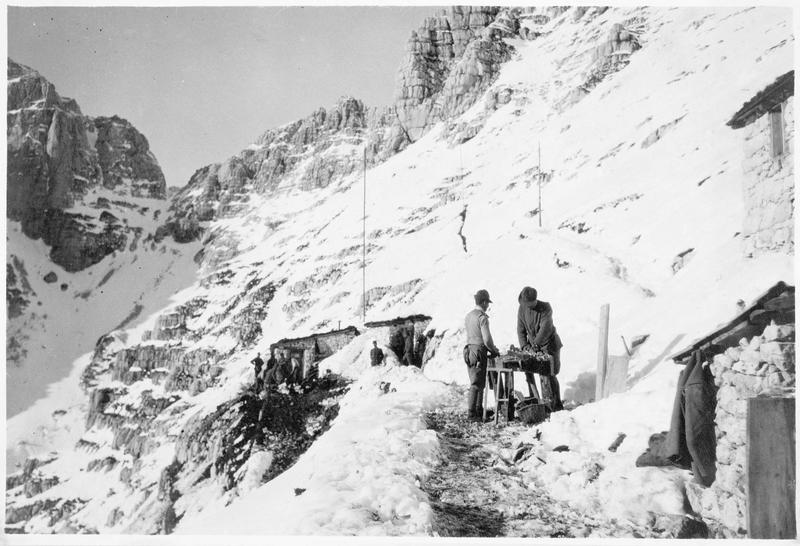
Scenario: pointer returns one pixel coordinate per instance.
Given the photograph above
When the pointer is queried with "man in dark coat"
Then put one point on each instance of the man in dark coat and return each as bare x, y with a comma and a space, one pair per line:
257, 365
536, 331
376, 355
271, 361
479, 347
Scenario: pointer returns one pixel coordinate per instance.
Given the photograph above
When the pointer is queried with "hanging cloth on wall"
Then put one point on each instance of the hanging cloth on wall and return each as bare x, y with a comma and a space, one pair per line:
691, 441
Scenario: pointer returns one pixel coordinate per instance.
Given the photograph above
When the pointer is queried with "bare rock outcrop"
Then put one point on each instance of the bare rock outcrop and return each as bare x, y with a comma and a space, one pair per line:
450, 61
56, 155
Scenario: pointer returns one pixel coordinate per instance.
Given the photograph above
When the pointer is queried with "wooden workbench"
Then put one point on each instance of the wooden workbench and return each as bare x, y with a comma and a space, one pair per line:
504, 366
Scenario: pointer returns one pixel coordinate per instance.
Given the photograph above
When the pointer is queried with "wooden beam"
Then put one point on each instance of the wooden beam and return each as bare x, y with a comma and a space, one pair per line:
602, 352
771, 468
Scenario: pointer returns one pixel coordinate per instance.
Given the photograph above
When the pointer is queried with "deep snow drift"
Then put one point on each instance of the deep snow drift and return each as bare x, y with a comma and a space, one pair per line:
623, 200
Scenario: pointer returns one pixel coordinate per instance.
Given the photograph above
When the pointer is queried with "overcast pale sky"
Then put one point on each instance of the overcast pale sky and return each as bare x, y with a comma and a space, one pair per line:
202, 83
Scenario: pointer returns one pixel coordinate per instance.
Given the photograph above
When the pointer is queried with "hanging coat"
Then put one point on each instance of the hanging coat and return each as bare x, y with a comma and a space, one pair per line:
692, 439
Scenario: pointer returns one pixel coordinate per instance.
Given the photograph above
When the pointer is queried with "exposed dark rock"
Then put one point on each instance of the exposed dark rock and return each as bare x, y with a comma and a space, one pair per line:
50, 170
226, 437
18, 291
108, 218
50, 277
125, 159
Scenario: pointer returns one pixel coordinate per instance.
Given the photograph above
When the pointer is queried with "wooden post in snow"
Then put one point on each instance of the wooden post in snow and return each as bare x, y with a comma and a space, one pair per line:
771, 468
602, 352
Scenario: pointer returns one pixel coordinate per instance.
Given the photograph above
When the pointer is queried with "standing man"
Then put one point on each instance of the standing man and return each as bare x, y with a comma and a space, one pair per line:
536, 331
271, 361
478, 348
295, 375
257, 365
376, 354
408, 349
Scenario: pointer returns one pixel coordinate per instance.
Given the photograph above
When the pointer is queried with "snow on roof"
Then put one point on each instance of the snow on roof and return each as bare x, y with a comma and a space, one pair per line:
747, 323
764, 101
398, 320
349, 330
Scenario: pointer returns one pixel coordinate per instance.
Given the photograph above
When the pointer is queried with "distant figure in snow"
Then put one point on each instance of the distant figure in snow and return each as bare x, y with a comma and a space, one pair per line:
376, 355
257, 365
536, 332
479, 347
408, 349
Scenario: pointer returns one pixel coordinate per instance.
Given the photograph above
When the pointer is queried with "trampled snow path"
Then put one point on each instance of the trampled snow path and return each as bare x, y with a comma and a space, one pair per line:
478, 490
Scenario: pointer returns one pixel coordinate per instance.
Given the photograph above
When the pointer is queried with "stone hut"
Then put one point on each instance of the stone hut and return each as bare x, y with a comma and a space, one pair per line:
753, 357
313, 348
389, 333
768, 123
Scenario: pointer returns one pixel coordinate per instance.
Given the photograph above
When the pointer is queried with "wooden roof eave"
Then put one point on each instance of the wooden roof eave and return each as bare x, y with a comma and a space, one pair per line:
774, 94
348, 330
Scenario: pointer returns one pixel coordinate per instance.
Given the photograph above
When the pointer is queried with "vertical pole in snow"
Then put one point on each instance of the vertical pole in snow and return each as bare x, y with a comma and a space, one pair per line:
539, 176
364, 248
602, 353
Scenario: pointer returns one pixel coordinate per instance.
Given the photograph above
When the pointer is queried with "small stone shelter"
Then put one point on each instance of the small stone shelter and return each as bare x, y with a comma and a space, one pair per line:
752, 357
313, 348
389, 333
768, 165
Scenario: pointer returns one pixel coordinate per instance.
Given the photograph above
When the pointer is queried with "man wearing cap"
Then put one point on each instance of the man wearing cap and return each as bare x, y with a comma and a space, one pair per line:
536, 331
479, 346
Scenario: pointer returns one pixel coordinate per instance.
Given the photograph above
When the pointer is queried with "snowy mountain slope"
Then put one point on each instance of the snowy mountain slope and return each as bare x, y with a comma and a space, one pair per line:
624, 199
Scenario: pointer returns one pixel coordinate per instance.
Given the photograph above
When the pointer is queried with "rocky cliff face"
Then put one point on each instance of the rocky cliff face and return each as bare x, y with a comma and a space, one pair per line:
310, 153
58, 158
451, 60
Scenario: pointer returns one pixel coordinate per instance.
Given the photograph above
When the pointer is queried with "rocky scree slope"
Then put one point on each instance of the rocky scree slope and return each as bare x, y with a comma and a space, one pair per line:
281, 245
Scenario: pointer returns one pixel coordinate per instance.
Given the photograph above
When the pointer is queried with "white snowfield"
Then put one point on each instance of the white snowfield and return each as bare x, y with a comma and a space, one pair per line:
642, 206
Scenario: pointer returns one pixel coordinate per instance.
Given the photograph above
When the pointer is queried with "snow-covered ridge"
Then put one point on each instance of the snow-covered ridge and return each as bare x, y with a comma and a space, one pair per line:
454, 211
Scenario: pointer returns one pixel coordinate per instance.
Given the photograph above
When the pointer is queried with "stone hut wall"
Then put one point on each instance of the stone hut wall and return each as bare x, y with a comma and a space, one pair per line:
763, 366
327, 344
317, 346
769, 187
